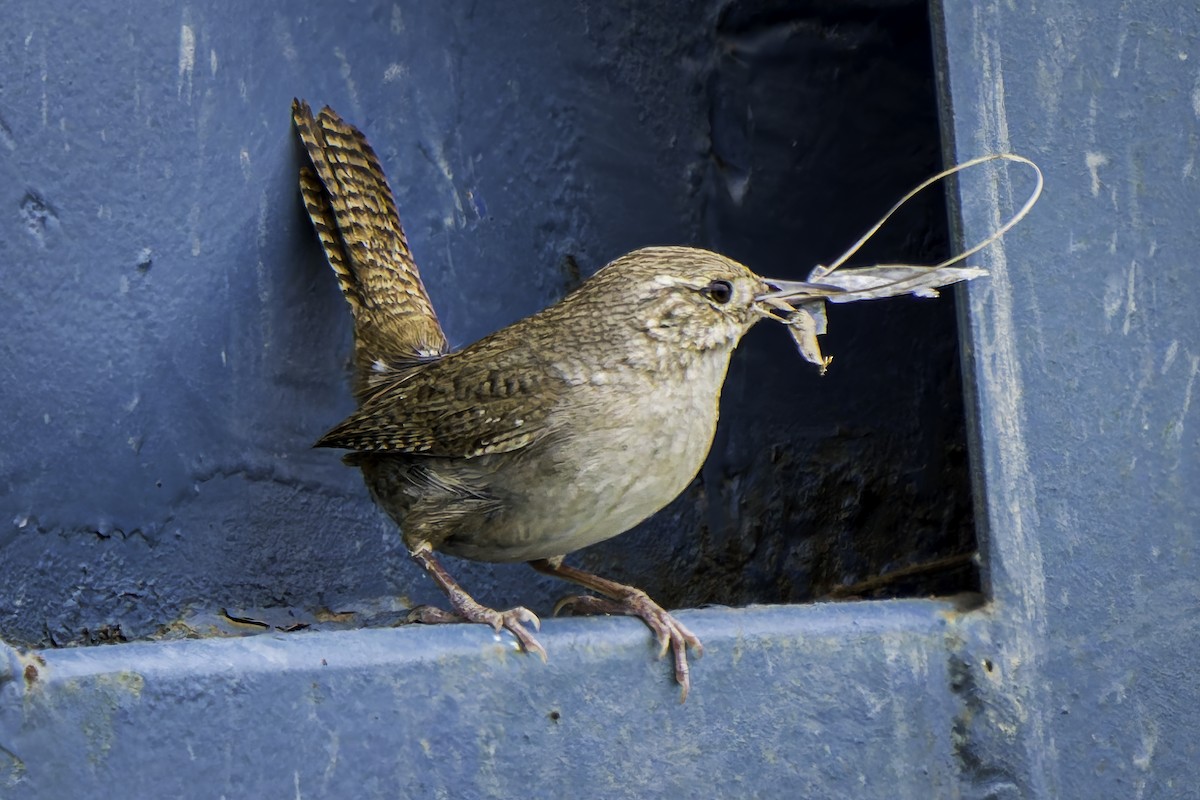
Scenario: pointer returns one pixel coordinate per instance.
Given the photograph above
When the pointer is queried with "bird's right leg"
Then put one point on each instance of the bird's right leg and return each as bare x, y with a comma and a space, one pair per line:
468, 609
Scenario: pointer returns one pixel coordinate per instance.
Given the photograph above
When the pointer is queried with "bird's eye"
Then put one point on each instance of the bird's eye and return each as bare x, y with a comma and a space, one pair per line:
719, 292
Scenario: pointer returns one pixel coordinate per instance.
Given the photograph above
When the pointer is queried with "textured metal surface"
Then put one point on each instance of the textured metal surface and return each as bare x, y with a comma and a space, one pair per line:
1085, 351
787, 701
163, 285
174, 342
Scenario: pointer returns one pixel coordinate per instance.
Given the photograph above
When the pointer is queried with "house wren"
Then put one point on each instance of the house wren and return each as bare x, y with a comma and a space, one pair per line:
562, 430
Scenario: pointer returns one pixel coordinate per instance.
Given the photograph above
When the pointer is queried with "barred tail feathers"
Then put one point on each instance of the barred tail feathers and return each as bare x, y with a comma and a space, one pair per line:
354, 213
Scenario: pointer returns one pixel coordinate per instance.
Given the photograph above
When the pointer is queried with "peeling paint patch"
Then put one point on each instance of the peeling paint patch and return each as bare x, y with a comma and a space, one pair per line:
32, 666
1122, 35
351, 88
436, 153
194, 224
187, 59
45, 75
1145, 755
1169, 358
1130, 299
1094, 162
394, 72
1175, 431
6, 135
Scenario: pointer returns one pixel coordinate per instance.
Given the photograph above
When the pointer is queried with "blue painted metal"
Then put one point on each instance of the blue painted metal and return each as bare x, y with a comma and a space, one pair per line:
786, 702
168, 335
1084, 348
175, 343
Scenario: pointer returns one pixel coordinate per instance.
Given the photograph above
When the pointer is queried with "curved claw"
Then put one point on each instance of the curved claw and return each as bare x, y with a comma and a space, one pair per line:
673, 635
523, 615
513, 621
467, 609
670, 633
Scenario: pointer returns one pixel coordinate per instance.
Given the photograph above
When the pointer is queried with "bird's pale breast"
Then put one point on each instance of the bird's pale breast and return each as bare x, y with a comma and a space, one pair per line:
608, 473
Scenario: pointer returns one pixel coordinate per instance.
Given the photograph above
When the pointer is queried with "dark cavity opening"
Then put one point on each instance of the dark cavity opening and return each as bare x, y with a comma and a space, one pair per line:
855, 484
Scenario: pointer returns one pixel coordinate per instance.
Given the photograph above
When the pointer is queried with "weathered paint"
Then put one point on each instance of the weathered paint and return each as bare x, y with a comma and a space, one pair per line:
174, 342
786, 702
165, 284
1083, 350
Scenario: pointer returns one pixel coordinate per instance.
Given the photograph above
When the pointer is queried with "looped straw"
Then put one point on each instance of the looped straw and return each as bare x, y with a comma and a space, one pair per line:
821, 271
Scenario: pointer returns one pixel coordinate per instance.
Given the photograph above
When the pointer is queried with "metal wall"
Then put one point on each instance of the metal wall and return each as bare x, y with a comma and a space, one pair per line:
1085, 346
173, 343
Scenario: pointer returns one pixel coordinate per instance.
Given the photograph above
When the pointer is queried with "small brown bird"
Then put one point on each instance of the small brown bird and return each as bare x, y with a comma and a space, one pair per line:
562, 430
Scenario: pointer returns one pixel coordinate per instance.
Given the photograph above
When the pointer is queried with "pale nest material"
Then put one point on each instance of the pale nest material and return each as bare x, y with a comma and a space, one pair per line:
801, 304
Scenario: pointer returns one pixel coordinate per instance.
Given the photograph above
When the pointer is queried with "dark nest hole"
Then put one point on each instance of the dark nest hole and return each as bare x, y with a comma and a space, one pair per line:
855, 484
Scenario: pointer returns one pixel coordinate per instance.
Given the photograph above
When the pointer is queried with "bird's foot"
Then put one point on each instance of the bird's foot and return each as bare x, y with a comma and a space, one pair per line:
670, 632
468, 609
512, 620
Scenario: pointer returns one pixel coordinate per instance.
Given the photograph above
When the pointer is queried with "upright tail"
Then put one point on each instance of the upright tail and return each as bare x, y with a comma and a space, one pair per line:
354, 212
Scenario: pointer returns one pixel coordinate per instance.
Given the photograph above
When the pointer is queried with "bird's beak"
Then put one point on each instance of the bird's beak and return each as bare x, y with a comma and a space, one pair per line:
794, 292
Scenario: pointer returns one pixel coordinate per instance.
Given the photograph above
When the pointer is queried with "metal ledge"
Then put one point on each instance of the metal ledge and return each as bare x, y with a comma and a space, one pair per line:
785, 701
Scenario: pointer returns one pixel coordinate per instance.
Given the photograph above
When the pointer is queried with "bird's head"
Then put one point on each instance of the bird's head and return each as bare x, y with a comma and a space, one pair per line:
681, 296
